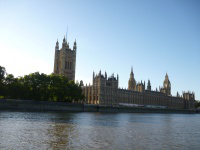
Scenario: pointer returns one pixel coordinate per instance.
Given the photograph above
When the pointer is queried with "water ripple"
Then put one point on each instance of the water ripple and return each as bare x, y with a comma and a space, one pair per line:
36, 130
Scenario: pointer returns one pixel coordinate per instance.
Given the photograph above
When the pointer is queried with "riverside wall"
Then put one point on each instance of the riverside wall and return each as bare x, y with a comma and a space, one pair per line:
30, 105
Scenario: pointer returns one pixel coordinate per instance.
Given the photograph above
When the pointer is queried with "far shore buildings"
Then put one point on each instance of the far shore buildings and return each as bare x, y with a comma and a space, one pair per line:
105, 90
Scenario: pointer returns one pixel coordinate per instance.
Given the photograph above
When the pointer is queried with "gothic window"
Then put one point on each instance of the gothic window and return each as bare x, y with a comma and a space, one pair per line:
66, 65
70, 65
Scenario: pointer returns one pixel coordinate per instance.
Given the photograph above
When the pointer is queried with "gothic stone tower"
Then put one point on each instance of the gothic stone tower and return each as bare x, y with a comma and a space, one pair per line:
65, 60
149, 85
131, 82
189, 99
166, 86
140, 87
104, 89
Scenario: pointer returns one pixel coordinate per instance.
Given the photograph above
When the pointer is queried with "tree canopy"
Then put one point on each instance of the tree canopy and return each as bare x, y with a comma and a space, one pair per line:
197, 104
39, 86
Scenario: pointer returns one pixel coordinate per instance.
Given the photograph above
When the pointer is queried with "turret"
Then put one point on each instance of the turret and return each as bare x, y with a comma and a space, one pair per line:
64, 40
64, 44
189, 95
140, 87
56, 58
177, 95
112, 81
100, 73
81, 83
57, 45
75, 45
131, 74
105, 75
149, 85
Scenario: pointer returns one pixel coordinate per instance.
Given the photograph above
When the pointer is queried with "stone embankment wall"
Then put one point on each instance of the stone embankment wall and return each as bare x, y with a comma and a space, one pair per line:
142, 110
29, 105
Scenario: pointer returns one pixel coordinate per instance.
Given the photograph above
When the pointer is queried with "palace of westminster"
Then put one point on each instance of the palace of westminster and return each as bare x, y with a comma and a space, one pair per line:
105, 90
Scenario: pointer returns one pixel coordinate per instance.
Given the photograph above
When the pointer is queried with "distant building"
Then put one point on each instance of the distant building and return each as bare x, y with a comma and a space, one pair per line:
105, 91
65, 60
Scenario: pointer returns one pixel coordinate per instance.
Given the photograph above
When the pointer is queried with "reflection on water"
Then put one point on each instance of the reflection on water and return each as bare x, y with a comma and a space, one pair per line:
36, 130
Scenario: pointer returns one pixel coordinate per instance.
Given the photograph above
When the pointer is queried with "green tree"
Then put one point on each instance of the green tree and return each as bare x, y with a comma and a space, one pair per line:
2, 73
12, 87
37, 85
75, 92
2, 77
59, 88
42, 87
197, 104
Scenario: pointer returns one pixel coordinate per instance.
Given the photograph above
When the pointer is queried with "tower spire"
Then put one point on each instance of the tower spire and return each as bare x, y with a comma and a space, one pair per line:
166, 76
74, 47
131, 74
149, 85
57, 45
64, 40
131, 81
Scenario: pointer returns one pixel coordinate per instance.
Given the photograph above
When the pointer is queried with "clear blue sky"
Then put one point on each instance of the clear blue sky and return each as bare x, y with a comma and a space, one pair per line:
153, 36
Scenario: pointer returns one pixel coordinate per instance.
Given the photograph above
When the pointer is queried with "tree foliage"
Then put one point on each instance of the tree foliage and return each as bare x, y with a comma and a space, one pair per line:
2, 77
41, 87
197, 104
2, 73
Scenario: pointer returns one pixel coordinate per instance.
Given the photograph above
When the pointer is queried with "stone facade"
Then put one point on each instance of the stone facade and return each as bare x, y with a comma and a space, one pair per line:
65, 60
105, 91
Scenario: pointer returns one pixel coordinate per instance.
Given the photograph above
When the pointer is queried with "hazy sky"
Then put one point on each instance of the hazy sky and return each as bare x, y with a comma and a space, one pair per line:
153, 36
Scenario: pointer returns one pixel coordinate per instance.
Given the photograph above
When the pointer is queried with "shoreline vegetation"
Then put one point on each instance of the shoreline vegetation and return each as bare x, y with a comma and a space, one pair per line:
39, 87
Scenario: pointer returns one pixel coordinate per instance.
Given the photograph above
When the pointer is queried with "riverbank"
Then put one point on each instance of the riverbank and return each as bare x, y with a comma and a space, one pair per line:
30, 105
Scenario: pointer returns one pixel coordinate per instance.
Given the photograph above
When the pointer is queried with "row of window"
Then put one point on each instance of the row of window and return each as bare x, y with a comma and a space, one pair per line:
68, 65
108, 99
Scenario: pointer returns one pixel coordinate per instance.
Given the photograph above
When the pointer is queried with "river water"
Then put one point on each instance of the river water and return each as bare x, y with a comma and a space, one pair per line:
38, 130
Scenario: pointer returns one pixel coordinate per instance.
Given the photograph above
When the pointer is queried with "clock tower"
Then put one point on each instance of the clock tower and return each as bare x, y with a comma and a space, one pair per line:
167, 85
131, 82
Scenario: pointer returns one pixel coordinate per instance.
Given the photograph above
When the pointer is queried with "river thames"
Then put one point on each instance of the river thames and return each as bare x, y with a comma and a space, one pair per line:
39, 130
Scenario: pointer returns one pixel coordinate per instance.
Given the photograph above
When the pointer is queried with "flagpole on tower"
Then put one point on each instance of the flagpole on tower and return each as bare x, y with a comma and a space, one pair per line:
66, 32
